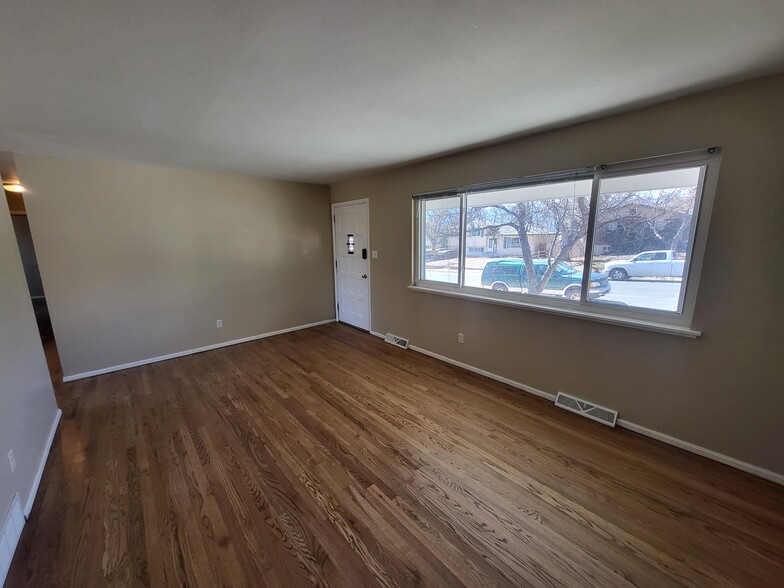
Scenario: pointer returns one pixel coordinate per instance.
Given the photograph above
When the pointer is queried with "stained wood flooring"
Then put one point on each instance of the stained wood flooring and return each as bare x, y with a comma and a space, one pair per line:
326, 457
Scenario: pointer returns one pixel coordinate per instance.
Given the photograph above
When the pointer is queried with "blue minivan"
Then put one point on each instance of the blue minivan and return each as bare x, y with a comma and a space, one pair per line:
509, 275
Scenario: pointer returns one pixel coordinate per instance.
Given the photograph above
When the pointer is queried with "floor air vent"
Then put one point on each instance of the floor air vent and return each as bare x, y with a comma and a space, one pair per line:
586, 409
395, 340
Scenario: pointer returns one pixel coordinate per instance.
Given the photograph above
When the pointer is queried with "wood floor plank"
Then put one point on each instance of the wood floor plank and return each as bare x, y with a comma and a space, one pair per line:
328, 458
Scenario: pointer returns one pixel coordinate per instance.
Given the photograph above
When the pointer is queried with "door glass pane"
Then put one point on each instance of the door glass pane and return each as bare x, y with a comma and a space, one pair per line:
440, 240
643, 233
543, 227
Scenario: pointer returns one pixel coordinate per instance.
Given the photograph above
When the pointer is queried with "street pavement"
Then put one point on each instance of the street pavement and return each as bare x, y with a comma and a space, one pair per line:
659, 295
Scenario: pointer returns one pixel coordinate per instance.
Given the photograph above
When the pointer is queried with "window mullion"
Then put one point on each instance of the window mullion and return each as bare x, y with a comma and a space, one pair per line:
419, 240
462, 250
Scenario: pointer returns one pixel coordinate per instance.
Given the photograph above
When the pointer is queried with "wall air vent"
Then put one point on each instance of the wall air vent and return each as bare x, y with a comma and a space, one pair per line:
395, 340
586, 409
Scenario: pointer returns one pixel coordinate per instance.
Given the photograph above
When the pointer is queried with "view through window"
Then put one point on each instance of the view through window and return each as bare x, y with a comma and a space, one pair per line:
532, 239
528, 231
441, 239
643, 232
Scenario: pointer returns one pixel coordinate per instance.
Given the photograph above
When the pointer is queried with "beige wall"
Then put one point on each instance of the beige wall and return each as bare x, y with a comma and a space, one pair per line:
723, 391
139, 261
27, 404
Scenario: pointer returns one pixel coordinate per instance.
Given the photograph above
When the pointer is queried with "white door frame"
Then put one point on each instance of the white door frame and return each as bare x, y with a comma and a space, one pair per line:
335, 206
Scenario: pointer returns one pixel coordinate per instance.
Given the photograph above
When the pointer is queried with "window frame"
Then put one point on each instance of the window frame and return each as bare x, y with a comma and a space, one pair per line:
674, 322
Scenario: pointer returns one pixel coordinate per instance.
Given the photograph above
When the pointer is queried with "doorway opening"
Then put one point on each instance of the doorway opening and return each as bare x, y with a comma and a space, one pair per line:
24, 240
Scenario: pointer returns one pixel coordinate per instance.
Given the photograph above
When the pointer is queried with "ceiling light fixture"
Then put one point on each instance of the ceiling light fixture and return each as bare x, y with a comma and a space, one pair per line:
14, 187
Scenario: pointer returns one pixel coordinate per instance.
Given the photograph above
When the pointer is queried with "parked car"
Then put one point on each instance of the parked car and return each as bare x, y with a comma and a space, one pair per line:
440, 254
646, 264
509, 275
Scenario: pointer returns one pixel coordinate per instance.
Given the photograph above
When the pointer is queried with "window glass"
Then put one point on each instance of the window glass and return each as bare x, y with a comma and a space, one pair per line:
543, 227
440, 237
643, 232
615, 241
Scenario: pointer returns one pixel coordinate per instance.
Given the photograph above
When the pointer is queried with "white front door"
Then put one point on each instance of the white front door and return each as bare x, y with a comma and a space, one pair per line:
352, 263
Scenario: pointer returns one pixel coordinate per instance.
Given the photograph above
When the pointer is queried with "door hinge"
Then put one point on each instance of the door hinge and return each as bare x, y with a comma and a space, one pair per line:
336, 264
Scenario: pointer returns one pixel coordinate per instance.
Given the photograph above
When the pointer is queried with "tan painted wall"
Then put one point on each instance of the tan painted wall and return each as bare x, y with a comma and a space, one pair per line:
27, 404
723, 391
139, 261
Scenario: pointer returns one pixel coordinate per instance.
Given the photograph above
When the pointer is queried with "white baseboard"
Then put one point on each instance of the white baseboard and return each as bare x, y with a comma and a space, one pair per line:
10, 533
15, 520
177, 354
491, 375
42, 464
710, 454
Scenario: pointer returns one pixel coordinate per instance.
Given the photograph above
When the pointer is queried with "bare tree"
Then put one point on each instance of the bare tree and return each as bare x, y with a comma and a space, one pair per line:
440, 224
564, 220
638, 217
681, 232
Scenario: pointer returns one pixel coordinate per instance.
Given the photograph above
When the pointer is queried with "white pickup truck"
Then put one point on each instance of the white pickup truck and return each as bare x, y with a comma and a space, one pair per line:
646, 264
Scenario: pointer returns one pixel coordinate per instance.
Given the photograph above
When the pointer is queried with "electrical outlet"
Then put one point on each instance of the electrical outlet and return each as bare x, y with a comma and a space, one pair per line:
219, 323
460, 337
11, 460
374, 254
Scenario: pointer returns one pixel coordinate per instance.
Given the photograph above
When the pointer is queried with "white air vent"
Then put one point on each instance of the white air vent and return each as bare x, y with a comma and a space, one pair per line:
395, 340
587, 409
9, 535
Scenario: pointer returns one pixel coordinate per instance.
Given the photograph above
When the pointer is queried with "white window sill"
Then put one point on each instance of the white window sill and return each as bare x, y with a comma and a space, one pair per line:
634, 323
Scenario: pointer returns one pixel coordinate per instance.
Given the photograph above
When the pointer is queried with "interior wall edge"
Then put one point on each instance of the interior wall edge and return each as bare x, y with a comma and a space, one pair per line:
133, 364
42, 463
141, 261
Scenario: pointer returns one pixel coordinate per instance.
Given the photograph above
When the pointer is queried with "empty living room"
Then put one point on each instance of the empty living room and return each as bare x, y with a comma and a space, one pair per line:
391, 294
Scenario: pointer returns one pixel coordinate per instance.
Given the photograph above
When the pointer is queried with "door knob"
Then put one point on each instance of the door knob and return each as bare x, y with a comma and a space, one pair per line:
364, 276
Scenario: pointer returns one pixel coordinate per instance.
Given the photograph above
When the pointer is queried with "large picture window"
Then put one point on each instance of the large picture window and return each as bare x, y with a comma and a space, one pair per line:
619, 242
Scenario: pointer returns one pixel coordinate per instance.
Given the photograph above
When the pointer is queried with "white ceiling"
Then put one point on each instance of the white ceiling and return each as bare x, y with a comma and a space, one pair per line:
322, 90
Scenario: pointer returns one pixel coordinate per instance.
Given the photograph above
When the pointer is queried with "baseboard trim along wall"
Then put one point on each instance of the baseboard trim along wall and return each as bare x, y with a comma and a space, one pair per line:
10, 533
42, 464
125, 366
15, 520
691, 447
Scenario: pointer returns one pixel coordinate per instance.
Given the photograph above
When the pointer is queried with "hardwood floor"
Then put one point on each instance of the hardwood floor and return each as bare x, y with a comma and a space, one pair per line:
327, 457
